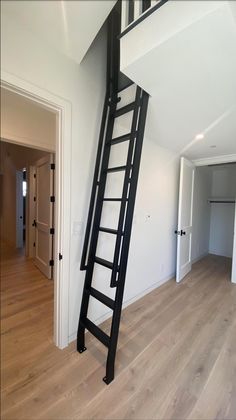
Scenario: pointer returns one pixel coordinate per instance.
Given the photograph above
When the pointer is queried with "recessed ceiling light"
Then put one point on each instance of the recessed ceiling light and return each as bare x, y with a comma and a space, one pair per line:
199, 136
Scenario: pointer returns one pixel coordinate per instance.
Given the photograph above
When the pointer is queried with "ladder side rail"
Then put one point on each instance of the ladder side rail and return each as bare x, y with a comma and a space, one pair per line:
125, 247
125, 188
111, 85
83, 265
95, 231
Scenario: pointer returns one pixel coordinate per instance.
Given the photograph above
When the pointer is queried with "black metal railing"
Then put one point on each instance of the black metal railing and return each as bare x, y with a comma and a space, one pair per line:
146, 10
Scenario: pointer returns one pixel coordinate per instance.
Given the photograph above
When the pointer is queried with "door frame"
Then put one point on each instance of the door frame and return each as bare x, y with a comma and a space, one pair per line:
62, 109
19, 209
233, 273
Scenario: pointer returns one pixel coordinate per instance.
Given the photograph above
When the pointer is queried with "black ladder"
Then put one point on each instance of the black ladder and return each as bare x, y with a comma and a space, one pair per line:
122, 232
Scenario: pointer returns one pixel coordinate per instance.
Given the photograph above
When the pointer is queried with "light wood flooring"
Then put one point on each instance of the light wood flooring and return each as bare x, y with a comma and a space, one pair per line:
176, 356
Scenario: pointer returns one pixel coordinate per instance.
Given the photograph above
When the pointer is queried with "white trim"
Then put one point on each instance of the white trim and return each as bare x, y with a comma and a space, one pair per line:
233, 273
62, 108
128, 302
215, 160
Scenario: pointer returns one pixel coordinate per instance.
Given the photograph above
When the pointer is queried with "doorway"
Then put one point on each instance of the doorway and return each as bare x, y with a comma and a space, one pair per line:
206, 221
32, 200
62, 111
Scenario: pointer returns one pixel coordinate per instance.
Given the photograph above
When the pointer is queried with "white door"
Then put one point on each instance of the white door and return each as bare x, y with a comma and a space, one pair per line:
233, 274
44, 215
19, 209
31, 209
185, 216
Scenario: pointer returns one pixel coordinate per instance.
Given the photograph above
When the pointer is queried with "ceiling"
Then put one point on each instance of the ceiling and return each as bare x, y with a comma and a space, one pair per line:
191, 77
68, 26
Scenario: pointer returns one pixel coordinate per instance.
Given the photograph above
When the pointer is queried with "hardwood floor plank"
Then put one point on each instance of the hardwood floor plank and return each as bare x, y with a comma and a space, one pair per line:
175, 358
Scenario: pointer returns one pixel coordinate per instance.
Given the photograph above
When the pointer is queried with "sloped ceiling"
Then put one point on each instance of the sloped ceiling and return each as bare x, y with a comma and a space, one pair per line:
68, 26
191, 77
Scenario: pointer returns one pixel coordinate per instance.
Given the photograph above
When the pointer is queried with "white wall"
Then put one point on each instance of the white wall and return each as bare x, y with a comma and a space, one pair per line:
222, 215
153, 244
201, 213
26, 122
75, 23
83, 86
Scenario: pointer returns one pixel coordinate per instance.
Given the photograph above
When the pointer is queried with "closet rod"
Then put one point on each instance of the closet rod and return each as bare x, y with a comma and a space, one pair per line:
221, 201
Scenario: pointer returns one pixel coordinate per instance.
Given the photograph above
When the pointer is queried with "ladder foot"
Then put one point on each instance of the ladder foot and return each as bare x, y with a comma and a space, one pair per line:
108, 380
81, 349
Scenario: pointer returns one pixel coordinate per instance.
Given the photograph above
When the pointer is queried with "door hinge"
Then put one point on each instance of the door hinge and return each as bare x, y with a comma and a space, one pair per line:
60, 256
34, 175
52, 198
34, 244
52, 166
34, 198
52, 231
51, 263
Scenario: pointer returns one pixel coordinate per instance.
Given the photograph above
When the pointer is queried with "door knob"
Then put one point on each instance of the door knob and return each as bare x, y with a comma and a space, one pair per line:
180, 232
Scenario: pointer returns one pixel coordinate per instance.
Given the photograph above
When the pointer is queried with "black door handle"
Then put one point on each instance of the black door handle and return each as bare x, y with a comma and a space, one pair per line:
180, 232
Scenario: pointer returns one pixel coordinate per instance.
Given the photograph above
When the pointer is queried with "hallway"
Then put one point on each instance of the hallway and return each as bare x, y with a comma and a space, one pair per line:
26, 315
176, 356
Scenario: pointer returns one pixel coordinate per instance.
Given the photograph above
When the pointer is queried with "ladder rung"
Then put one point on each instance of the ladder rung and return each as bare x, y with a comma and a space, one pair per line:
120, 139
114, 199
102, 298
124, 110
108, 230
116, 169
103, 262
96, 331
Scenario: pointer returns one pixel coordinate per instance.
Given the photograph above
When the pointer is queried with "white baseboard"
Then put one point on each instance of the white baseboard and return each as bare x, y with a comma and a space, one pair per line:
128, 302
200, 257
212, 252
